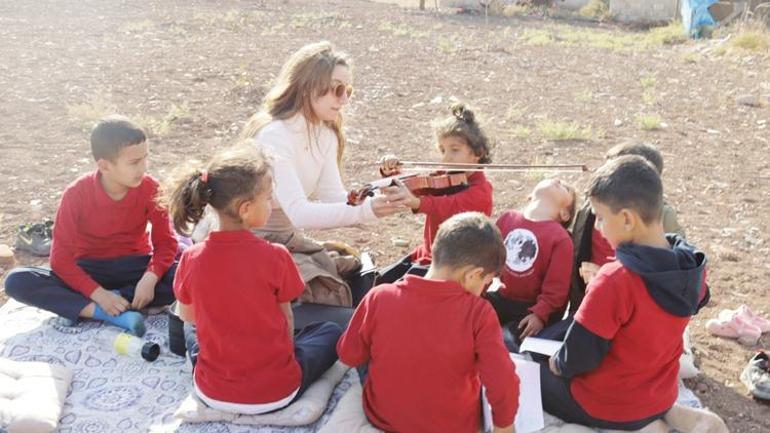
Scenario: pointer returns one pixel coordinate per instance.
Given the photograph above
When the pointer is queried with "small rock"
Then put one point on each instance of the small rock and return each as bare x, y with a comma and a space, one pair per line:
712, 131
749, 100
401, 243
702, 388
618, 122
7, 260
437, 100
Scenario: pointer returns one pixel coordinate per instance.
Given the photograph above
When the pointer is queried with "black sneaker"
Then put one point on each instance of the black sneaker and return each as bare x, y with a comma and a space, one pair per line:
35, 238
756, 376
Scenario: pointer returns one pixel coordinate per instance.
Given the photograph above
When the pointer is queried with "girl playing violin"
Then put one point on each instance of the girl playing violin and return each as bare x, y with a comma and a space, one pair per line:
460, 139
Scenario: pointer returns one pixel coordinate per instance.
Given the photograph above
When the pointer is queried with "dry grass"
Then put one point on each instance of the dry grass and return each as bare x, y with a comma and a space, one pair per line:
649, 122
564, 131
606, 39
751, 36
671, 34
87, 113
596, 10
521, 132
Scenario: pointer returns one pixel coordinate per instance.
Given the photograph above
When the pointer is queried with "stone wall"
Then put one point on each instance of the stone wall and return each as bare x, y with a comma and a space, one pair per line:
644, 10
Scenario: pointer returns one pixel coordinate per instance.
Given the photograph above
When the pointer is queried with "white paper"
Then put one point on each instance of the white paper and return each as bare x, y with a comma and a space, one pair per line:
540, 345
495, 285
529, 418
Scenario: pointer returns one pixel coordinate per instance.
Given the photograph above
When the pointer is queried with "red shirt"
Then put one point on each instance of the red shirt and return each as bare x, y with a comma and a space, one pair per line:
638, 376
430, 345
235, 282
601, 250
91, 225
439, 208
538, 264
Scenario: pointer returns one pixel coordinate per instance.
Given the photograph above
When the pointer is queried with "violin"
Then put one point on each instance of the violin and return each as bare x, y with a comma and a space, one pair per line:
430, 181
417, 183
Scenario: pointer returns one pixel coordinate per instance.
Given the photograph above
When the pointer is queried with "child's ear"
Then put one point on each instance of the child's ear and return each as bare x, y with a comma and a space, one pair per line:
629, 219
103, 165
564, 215
473, 280
242, 208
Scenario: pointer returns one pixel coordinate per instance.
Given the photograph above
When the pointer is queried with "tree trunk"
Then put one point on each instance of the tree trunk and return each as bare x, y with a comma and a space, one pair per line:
422, 5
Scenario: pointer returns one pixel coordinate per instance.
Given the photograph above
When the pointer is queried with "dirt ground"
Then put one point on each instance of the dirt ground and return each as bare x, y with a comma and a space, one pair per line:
193, 71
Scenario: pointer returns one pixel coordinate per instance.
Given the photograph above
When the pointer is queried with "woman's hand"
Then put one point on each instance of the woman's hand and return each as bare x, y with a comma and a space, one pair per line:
382, 207
389, 165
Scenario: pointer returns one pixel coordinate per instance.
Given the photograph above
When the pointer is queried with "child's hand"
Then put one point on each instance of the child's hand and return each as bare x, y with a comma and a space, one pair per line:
532, 325
401, 195
111, 303
508, 429
144, 292
587, 271
553, 367
389, 165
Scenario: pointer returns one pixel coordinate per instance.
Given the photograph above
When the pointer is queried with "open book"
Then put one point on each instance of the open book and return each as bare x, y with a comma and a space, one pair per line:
529, 418
540, 345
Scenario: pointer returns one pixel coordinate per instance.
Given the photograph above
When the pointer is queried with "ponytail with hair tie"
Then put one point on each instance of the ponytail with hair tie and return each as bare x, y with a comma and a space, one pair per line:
462, 112
232, 174
462, 123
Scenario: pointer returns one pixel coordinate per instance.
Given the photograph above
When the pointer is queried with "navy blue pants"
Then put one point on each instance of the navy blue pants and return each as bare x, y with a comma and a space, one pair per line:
41, 288
558, 401
315, 348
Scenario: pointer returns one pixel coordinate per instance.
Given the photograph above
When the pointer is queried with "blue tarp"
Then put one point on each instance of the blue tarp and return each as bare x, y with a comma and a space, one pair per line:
696, 16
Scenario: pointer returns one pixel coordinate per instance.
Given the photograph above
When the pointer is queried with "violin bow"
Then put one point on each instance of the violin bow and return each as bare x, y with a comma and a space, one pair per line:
423, 165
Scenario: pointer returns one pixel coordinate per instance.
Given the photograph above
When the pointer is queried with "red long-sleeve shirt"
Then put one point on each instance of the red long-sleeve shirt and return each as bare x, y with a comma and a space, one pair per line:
439, 208
430, 345
89, 224
538, 264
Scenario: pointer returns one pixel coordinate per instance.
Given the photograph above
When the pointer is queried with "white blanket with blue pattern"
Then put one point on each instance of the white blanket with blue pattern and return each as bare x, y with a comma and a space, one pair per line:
114, 393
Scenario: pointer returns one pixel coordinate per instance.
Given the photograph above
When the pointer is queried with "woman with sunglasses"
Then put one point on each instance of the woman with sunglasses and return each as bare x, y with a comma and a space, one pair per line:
300, 124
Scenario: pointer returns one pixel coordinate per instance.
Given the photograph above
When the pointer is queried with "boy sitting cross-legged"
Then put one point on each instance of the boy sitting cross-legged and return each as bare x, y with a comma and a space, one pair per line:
103, 261
618, 368
426, 345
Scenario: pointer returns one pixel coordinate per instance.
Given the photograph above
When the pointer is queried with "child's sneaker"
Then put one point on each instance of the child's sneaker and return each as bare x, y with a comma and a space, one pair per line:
730, 324
756, 376
35, 238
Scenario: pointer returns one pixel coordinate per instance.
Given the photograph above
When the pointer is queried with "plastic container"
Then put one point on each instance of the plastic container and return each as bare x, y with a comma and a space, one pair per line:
130, 345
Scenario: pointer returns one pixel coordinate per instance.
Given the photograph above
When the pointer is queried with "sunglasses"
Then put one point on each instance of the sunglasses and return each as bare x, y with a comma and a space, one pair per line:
341, 89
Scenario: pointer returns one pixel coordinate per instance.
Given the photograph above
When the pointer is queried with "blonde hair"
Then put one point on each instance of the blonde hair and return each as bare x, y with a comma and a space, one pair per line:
306, 75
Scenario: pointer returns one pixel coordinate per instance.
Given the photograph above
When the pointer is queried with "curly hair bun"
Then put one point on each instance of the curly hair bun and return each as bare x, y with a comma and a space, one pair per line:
462, 112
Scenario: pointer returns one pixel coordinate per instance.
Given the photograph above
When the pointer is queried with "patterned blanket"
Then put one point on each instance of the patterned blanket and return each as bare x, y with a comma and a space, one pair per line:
114, 393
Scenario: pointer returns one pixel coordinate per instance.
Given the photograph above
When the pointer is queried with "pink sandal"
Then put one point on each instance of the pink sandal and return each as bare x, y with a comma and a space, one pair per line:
731, 324
758, 321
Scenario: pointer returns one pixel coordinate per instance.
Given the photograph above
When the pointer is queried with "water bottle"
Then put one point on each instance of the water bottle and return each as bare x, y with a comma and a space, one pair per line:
127, 344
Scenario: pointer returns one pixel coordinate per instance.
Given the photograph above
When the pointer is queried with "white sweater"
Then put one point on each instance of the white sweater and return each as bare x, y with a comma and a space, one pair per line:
308, 187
